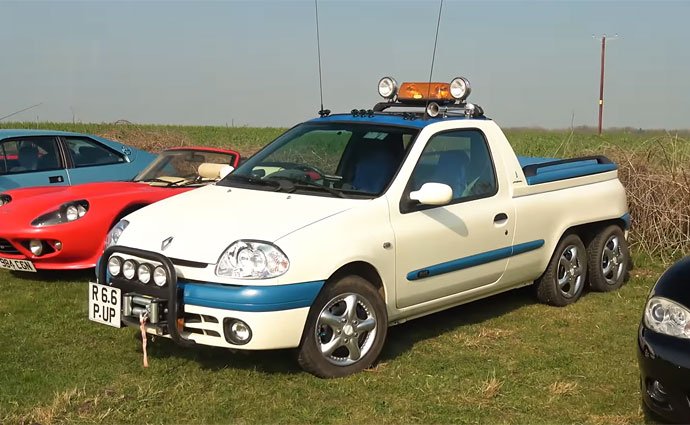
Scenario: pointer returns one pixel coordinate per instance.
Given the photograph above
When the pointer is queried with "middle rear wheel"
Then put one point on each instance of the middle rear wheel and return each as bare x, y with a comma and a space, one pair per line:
564, 279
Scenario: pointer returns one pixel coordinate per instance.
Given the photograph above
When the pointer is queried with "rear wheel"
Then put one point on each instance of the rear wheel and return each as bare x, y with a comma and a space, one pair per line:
564, 279
608, 259
345, 330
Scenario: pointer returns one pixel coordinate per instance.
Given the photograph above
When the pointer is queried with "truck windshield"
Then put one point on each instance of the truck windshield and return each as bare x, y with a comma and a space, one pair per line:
333, 159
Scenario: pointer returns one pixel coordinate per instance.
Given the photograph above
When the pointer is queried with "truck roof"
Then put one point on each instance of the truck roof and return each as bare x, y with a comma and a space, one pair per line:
398, 119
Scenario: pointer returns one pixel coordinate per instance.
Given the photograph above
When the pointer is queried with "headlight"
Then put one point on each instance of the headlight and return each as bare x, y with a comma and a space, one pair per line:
5, 199
114, 265
667, 317
115, 232
252, 260
68, 212
144, 273
160, 276
129, 269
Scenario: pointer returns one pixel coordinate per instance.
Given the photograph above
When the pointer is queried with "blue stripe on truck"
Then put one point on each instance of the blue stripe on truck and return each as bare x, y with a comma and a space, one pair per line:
474, 260
251, 297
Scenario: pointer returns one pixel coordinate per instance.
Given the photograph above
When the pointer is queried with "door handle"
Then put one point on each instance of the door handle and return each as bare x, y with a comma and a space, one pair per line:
500, 218
56, 179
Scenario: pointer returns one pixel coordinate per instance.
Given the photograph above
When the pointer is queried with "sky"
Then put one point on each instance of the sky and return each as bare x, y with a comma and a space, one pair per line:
254, 63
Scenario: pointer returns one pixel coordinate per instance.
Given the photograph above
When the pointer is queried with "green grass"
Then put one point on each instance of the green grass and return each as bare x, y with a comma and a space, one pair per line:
505, 359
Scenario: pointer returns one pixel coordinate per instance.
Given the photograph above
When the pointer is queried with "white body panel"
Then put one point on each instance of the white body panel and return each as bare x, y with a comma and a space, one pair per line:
271, 329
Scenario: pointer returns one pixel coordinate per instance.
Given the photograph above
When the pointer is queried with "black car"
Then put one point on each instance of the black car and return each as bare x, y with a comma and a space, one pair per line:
664, 345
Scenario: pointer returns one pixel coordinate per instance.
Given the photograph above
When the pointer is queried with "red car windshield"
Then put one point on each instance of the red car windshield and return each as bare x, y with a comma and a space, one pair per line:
185, 167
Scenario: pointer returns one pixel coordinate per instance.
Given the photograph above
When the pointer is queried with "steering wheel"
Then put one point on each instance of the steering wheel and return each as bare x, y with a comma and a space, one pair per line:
311, 172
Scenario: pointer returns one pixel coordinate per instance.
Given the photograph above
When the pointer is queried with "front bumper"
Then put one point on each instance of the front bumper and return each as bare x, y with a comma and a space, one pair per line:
69, 246
665, 360
201, 312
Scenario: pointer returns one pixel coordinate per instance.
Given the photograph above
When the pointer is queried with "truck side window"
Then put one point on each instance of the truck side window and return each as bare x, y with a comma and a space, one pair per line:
460, 159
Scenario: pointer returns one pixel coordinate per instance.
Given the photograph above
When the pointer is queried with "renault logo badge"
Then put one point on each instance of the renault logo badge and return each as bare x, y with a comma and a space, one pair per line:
166, 243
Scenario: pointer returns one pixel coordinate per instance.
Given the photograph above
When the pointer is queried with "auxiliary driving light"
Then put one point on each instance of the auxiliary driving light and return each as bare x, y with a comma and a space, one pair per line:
160, 277
36, 247
388, 87
144, 273
460, 88
236, 331
433, 109
129, 269
114, 265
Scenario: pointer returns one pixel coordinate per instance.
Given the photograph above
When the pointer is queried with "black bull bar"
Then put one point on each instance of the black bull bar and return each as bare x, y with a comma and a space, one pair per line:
168, 292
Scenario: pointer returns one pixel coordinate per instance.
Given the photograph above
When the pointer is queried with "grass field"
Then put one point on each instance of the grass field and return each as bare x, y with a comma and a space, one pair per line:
505, 359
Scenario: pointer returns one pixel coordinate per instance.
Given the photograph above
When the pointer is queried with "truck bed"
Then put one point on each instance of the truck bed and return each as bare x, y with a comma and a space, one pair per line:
544, 170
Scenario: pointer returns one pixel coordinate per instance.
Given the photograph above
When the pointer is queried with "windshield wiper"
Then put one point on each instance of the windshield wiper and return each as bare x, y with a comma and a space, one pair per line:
198, 181
157, 180
278, 185
310, 184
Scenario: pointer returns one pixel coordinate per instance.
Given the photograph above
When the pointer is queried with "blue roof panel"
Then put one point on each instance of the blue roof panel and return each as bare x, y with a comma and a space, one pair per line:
386, 119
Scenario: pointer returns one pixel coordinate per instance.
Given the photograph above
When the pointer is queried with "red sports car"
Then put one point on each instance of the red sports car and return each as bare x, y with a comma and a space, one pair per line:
65, 227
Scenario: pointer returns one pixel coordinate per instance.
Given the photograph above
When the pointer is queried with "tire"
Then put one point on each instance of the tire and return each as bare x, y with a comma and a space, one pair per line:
564, 279
608, 259
345, 311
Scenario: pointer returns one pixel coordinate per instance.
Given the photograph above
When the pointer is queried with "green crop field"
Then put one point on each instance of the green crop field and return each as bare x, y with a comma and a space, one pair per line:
505, 359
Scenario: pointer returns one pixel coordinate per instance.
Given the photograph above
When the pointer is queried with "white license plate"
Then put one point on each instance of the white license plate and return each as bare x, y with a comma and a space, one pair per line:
18, 265
105, 303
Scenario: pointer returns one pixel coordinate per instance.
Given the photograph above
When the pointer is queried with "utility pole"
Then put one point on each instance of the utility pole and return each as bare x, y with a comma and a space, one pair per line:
601, 79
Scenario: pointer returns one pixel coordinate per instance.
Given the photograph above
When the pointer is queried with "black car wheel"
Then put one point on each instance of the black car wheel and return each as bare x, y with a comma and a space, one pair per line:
563, 281
345, 330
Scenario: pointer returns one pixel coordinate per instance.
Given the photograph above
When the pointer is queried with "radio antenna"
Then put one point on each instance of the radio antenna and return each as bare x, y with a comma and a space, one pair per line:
433, 57
21, 110
318, 52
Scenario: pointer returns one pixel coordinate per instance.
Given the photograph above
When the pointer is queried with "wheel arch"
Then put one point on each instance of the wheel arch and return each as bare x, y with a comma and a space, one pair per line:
363, 269
586, 232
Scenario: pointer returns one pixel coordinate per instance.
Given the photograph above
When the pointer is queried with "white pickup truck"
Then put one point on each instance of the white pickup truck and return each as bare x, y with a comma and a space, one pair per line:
349, 223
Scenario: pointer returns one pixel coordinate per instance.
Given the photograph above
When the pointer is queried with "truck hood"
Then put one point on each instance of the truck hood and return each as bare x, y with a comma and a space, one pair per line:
204, 222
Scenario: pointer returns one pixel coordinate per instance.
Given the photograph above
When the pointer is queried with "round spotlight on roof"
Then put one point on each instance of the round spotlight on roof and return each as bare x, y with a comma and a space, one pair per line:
460, 88
388, 87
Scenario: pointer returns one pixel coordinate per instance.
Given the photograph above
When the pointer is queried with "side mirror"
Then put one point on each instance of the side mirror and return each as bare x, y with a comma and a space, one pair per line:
433, 194
227, 169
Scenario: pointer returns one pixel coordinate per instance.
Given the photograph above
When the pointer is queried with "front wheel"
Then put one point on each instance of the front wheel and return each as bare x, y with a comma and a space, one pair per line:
608, 259
345, 330
564, 279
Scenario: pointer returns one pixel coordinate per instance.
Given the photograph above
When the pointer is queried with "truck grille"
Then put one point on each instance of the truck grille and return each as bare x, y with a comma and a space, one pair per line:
7, 248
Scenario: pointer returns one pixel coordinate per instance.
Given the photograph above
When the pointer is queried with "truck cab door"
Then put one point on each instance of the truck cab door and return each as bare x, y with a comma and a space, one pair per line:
463, 245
